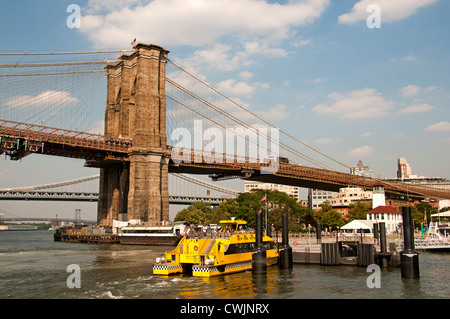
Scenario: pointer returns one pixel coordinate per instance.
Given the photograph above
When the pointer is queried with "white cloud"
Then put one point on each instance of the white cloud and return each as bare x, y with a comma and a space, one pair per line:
365, 134
360, 151
390, 10
245, 74
410, 90
360, 104
418, 108
196, 22
218, 57
109, 5
299, 41
43, 99
263, 48
232, 87
276, 113
224, 57
439, 127
409, 58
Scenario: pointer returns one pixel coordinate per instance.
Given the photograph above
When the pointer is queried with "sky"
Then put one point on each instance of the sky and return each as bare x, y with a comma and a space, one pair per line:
361, 80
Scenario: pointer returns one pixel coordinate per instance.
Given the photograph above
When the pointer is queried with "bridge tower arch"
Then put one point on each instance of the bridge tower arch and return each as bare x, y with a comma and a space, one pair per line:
136, 187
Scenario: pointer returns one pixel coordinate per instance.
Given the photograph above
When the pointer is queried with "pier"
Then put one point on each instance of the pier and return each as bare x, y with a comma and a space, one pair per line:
331, 252
86, 236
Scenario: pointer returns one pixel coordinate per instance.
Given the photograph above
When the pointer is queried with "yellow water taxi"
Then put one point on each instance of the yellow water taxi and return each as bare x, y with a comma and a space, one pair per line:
226, 251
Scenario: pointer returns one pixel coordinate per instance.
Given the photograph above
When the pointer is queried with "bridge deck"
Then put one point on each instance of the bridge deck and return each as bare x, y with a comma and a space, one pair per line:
19, 139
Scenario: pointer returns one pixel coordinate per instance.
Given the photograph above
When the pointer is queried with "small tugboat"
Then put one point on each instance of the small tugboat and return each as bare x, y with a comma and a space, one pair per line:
224, 252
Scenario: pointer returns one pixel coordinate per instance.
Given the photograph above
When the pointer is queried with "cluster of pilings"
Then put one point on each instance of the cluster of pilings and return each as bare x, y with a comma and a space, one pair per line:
259, 263
329, 255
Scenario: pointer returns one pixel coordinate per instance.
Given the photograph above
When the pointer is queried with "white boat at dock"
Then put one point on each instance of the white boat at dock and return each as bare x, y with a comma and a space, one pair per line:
164, 235
437, 238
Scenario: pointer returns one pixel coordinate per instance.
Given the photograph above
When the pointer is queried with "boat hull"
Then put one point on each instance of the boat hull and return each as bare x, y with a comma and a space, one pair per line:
208, 271
211, 271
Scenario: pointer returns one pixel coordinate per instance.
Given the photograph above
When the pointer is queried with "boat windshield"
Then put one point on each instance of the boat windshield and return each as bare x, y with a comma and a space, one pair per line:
233, 227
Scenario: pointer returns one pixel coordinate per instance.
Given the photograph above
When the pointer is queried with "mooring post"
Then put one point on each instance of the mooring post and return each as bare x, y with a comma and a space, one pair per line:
285, 251
319, 233
269, 230
376, 235
408, 256
259, 263
383, 245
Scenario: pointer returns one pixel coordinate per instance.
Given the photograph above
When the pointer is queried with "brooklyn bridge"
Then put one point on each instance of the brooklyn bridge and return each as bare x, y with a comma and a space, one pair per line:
159, 119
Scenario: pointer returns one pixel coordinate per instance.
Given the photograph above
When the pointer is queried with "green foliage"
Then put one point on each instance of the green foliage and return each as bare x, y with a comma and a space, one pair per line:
328, 217
357, 211
224, 211
196, 213
418, 213
245, 207
38, 225
277, 202
202, 213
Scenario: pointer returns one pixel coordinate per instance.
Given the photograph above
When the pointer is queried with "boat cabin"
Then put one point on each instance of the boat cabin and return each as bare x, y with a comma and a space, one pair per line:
233, 226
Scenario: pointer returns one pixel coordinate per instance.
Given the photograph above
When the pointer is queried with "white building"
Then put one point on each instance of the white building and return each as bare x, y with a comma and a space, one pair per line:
381, 213
349, 195
292, 191
378, 197
387, 214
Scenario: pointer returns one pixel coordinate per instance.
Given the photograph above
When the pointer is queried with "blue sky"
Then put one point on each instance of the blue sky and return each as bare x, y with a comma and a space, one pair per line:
314, 68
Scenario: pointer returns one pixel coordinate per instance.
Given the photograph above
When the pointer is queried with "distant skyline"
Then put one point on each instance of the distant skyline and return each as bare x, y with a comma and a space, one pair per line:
314, 68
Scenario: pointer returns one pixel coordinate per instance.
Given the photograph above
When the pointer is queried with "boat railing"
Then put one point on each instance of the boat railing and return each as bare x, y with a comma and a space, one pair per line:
218, 234
431, 242
152, 224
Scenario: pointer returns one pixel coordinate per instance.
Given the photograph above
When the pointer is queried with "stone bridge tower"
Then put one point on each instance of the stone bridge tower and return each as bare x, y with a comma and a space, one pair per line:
136, 187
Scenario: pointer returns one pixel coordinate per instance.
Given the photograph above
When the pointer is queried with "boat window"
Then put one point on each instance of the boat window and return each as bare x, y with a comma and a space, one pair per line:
233, 227
242, 227
226, 227
247, 247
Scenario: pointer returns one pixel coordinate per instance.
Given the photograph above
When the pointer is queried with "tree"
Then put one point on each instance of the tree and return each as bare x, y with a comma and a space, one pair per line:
249, 204
196, 213
225, 211
331, 219
416, 216
277, 202
357, 211
328, 217
245, 207
424, 208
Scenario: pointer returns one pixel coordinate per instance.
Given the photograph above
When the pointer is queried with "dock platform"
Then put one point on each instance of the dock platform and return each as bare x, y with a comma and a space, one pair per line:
343, 253
87, 238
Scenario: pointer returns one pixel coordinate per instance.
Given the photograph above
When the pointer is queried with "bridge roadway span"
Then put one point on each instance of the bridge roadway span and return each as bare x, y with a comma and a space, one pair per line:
20, 139
93, 197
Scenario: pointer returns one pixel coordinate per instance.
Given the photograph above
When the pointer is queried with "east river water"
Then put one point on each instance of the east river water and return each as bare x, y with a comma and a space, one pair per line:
33, 266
